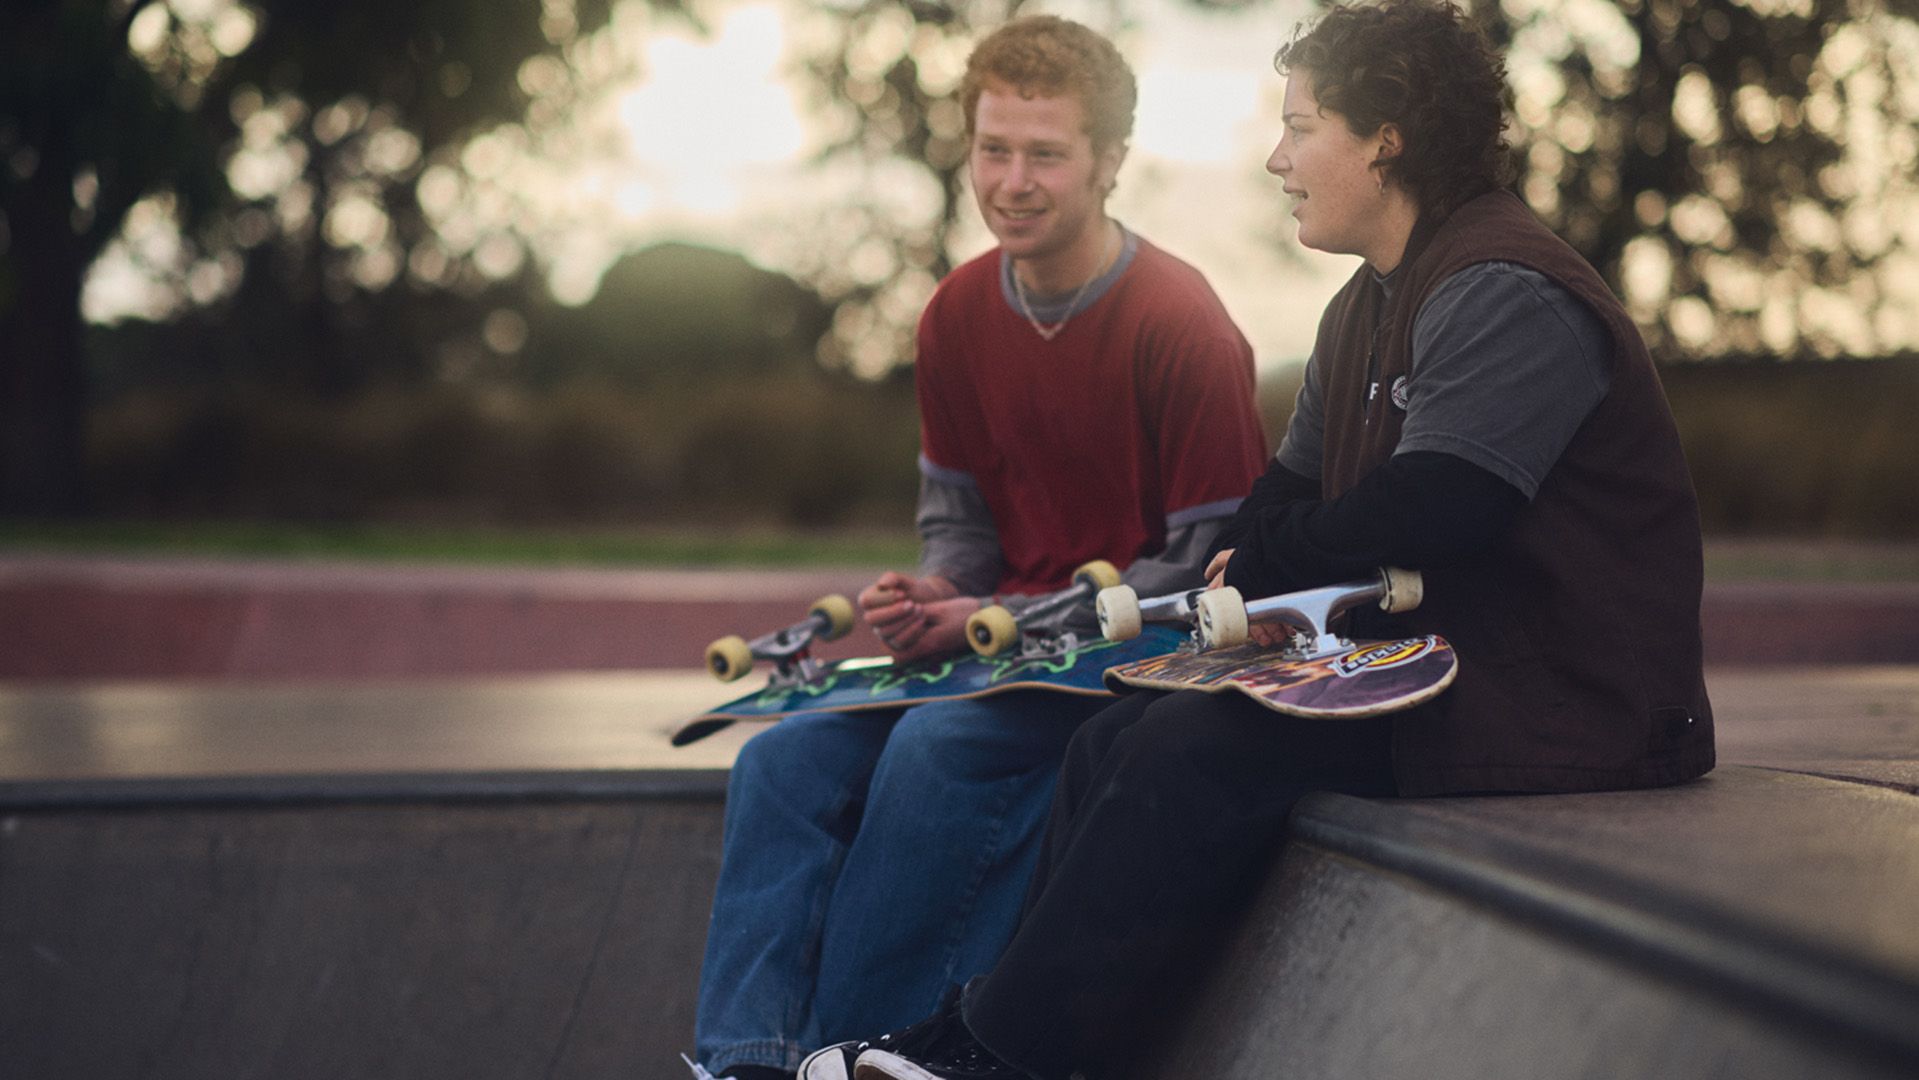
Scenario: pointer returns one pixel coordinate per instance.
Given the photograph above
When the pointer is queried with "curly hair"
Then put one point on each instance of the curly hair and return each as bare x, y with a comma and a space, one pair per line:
1423, 67
1046, 55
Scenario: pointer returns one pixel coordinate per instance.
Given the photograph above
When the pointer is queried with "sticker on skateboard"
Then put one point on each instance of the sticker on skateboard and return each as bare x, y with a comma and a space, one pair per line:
1318, 674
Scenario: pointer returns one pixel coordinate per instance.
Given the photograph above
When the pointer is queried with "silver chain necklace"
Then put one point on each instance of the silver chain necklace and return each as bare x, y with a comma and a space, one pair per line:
1045, 332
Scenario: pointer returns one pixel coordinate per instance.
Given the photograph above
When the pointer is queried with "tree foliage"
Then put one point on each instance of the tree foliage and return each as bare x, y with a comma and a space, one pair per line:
330, 181
1741, 171
282, 140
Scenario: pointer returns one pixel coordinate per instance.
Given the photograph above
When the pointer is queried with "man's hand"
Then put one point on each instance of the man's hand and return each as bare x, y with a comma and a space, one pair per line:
1270, 635
915, 618
1216, 570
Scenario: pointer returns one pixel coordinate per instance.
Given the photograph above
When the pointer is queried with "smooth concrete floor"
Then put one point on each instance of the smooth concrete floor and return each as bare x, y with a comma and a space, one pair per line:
1854, 722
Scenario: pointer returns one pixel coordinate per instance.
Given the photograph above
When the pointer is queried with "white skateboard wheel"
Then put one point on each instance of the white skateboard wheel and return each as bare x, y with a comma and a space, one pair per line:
1222, 618
837, 610
1098, 573
1118, 610
729, 658
1404, 589
991, 630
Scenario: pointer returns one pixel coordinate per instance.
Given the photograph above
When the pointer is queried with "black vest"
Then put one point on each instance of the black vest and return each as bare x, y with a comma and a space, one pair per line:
1578, 630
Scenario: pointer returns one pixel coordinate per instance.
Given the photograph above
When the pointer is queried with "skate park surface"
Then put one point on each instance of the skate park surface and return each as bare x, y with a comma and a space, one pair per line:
295, 820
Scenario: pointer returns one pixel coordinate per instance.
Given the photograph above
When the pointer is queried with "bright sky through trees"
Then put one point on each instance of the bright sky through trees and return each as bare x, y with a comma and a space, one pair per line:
717, 143
707, 139
651, 131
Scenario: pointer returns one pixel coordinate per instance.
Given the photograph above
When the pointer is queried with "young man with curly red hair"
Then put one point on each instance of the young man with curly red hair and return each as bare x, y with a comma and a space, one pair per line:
1083, 395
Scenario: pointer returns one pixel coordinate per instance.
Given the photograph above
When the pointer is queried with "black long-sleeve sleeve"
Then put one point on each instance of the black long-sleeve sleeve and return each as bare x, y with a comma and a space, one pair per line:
1275, 488
1419, 509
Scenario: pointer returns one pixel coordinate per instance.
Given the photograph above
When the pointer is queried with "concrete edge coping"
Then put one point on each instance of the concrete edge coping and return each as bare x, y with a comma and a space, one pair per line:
328, 789
1759, 964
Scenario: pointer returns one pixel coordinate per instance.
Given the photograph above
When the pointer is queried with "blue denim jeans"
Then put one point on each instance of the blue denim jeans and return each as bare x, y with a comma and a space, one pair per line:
870, 860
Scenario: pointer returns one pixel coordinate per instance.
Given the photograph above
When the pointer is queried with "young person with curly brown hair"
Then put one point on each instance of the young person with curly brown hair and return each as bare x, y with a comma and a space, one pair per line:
1478, 406
1083, 395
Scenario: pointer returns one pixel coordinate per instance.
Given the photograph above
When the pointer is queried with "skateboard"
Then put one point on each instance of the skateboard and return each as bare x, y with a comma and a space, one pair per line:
801, 683
993, 629
1318, 674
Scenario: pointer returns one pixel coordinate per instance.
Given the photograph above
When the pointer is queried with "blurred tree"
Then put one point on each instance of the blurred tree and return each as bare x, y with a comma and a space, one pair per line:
272, 135
1740, 170
888, 73
677, 315
336, 175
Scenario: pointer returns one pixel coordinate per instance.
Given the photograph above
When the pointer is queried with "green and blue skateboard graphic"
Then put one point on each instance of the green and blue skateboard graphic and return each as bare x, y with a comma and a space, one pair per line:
1067, 665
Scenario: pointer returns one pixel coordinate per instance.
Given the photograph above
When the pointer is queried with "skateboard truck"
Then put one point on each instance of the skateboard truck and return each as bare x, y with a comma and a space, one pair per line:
830, 618
1221, 618
993, 629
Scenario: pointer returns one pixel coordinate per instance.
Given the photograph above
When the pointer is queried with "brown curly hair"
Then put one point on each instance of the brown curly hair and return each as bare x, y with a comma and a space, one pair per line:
1423, 67
1045, 55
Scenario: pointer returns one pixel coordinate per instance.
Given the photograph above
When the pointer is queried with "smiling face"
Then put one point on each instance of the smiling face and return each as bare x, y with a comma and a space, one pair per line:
1329, 171
1040, 184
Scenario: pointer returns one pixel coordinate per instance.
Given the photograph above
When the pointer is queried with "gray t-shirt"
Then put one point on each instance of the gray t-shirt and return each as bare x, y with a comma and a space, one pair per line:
1506, 366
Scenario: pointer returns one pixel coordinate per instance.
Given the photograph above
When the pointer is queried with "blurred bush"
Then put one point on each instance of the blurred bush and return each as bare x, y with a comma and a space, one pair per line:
803, 449
1805, 448
1777, 449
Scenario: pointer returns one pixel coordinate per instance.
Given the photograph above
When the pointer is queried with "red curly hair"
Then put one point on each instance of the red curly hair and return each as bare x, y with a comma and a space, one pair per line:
1042, 55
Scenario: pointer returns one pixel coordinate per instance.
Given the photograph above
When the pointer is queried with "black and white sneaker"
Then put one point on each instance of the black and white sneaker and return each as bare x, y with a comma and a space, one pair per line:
833, 1062
937, 1048
973, 1062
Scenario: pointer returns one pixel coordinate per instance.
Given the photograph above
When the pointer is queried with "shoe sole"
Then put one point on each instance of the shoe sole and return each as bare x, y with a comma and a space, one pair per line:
883, 1065
827, 1064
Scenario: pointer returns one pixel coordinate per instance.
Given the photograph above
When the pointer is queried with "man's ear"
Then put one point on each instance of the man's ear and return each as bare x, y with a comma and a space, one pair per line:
1106, 166
1391, 143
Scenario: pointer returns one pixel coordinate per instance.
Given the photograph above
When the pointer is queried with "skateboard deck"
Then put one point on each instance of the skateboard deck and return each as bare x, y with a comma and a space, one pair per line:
1364, 678
878, 683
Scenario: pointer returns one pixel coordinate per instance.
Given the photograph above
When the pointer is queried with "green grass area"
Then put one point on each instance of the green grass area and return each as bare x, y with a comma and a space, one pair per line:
1735, 560
397, 543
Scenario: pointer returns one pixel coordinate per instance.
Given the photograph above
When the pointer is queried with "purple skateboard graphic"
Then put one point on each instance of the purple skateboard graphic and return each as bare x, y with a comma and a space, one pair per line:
1366, 679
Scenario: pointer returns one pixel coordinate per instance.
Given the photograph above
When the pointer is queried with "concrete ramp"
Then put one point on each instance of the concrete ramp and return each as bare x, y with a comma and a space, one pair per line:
498, 927
1756, 924
506, 879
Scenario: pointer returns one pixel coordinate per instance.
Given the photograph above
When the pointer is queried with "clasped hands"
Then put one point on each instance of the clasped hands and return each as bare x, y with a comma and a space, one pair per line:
916, 618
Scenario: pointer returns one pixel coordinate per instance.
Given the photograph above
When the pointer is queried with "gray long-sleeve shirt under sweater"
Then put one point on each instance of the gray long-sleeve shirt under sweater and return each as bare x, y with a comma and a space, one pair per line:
959, 542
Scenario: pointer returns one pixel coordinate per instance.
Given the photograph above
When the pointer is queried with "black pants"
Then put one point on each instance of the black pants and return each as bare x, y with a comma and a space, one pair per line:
1168, 810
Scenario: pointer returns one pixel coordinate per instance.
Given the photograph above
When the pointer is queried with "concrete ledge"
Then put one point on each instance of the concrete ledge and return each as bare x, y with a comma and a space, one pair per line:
460, 880
1753, 924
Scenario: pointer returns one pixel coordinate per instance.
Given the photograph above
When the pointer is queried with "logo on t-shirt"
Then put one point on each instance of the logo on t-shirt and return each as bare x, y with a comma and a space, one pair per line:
1399, 393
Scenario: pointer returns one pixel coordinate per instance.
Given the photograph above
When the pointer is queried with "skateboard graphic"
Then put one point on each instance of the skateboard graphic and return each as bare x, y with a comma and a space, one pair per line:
1318, 674
1066, 663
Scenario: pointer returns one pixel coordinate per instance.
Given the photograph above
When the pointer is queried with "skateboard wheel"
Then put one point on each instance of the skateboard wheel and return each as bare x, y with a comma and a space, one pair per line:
729, 658
1222, 618
1098, 573
1118, 610
991, 630
1404, 589
837, 610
